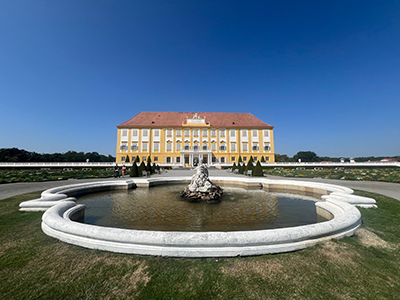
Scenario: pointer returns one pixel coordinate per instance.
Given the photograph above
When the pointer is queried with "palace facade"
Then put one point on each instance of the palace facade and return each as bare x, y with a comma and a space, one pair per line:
188, 138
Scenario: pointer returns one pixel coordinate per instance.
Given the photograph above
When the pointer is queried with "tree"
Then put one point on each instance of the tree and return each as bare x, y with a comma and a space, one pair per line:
258, 170
127, 159
137, 160
233, 167
142, 167
241, 168
134, 170
306, 156
240, 159
262, 159
93, 156
249, 165
282, 158
148, 165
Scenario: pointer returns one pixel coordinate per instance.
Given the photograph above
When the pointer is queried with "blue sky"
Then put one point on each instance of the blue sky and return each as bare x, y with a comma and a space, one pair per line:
325, 74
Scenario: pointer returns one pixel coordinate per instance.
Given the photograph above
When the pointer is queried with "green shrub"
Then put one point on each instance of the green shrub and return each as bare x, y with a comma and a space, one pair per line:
249, 165
258, 171
234, 167
142, 167
241, 168
134, 170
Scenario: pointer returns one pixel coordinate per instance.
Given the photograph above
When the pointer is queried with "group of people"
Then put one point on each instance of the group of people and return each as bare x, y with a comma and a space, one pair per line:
116, 171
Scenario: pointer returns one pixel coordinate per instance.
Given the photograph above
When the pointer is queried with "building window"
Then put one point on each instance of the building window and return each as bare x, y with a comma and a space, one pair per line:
134, 147
266, 158
204, 133
178, 146
213, 133
232, 132
144, 159
244, 158
144, 132
222, 159
222, 147
169, 132
187, 133
123, 147
214, 159
244, 147
178, 159
233, 147
134, 132
169, 146
155, 158
213, 147
124, 132
255, 158
187, 147
266, 133
156, 133
144, 146
205, 147
178, 133
255, 147
168, 160
233, 159
156, 146
196, 147
196, 133
244, 133
254, 133
267, 148
222, 133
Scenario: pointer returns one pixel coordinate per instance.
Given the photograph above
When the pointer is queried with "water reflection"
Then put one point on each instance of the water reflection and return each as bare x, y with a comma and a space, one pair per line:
161, 208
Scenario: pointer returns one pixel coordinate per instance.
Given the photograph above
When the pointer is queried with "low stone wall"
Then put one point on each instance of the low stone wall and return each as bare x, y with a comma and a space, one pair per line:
345, 219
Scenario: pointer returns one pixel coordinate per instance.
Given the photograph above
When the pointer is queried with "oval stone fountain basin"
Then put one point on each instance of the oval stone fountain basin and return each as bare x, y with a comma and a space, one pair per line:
161, 208
61, 210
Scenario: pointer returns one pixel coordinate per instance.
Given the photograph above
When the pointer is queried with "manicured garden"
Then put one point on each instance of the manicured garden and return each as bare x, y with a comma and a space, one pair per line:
35, 266
365, 174
8, 175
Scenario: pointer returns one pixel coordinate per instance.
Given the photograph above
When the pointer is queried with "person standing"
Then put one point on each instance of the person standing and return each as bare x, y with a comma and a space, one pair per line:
116, 171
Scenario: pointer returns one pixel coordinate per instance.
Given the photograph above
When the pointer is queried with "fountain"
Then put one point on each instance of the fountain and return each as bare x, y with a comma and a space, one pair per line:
336, 203
201, 188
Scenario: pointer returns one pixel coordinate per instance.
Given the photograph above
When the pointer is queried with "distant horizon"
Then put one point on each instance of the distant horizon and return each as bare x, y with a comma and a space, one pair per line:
346, 157
325, 74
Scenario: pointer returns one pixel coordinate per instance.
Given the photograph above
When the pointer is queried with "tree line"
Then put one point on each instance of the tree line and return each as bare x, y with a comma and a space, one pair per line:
20, 155
309, 156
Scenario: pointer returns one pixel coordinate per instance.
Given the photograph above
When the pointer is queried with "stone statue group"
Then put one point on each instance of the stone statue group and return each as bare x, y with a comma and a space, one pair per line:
201, 188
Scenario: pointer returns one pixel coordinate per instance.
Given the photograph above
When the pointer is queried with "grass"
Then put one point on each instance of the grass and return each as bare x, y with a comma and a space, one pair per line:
35, 266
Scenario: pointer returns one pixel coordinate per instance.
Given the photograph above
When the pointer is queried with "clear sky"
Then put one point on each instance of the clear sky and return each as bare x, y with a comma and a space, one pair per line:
325, 74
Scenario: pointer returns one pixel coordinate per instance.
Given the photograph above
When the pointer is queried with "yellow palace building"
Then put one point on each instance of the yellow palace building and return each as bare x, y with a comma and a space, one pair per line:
188, 138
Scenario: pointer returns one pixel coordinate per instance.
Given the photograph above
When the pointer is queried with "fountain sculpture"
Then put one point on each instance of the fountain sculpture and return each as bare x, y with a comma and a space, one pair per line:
201, 188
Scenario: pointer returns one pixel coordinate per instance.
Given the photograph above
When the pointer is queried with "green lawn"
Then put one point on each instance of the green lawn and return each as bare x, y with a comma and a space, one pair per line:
35, 266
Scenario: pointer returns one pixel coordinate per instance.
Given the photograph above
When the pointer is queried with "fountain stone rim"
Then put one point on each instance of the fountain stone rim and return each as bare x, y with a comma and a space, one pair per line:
57, 221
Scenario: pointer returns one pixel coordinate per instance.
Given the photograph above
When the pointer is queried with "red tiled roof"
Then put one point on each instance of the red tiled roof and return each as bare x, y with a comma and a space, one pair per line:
176, 119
